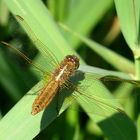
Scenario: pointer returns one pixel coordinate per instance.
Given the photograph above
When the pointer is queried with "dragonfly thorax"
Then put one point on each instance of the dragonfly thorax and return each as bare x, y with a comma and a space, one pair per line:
66, 68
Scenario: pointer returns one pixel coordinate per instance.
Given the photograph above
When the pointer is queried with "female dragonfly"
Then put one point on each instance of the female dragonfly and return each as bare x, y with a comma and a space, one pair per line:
89, 91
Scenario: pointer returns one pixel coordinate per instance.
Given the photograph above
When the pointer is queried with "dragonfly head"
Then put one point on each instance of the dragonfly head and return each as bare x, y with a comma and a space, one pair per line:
73, 59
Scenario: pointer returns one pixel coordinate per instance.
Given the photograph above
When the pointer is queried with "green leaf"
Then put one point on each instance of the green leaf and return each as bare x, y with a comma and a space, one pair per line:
19, 118
111, 57
129, 16
138, 127
4, 14
91, 12
58, 9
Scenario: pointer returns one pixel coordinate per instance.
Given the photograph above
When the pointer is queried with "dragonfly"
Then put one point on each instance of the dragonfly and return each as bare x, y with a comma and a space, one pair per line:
85, 86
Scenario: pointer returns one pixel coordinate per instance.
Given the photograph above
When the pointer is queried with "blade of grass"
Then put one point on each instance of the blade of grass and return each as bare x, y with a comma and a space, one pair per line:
108, 55
52, 7
103, 72
59, 9
92, 128
138, 127
19, 118
91, 12
129, 17
4, 14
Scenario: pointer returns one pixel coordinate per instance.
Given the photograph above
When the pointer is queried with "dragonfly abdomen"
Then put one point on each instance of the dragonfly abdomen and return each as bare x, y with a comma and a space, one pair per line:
45, 97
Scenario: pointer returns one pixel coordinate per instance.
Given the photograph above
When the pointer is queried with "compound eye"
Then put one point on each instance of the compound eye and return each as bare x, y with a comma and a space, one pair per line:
69, 57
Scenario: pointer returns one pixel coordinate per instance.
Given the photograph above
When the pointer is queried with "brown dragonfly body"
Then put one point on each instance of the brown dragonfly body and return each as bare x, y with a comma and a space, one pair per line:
60, 75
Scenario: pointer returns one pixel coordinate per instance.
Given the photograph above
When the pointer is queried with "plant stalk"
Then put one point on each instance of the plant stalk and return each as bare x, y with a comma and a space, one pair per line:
137, 68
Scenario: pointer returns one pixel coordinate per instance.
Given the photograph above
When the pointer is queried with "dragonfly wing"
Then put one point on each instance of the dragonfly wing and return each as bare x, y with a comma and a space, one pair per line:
90, 91
92, 95
116, 78
96, 100
37, 66
49, 57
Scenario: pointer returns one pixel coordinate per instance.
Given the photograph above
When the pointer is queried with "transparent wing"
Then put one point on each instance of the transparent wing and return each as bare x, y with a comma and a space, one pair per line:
115, 78
50, 58
96, 99
36, 65
92, 95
